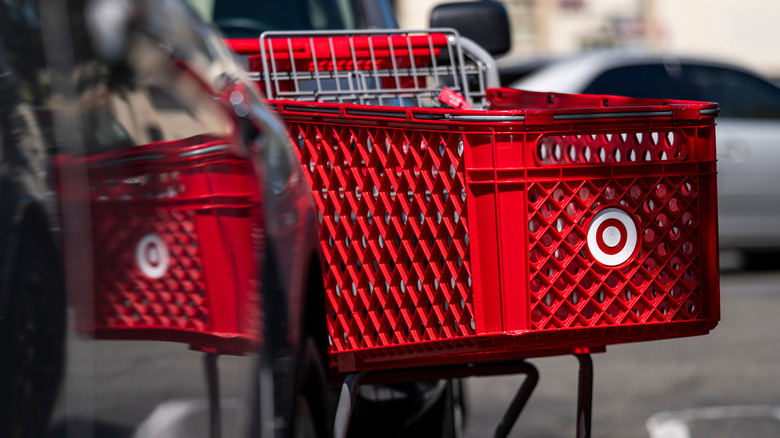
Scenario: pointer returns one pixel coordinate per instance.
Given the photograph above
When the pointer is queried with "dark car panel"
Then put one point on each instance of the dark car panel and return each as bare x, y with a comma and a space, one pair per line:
140, 170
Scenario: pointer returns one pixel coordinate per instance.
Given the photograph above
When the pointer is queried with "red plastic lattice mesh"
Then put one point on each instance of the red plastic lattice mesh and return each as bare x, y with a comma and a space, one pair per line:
126, 298
394, 234
463, 236
570, 289
177, 232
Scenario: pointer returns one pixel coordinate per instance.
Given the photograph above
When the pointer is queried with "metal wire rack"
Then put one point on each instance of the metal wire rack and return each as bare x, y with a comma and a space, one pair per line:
429, 68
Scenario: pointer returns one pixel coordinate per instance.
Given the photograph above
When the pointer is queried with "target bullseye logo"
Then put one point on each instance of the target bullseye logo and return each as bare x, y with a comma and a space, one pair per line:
612, 236
151, 256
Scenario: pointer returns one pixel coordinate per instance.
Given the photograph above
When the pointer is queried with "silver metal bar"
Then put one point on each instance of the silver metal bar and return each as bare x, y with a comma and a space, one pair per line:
266, 75
466, 92
335, 64
395, 65
412, 65
346, 403
393, 114
373, 65
620, 115
385, 80
355, 67
292, 66
316, 68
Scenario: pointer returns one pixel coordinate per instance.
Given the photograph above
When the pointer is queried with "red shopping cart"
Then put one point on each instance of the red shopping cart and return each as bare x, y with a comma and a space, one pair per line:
534, 224
171, 257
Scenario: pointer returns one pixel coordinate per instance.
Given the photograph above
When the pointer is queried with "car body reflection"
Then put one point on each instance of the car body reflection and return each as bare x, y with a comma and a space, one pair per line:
184, 232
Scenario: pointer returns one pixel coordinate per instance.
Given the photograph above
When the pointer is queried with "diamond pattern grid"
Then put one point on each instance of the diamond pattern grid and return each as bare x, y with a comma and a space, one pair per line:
570, 289
128, 299
392, 206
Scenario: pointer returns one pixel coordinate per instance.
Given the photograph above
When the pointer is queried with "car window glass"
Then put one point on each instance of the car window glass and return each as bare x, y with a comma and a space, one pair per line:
151, 93
650, 81
738, 94
241, 19
22, 47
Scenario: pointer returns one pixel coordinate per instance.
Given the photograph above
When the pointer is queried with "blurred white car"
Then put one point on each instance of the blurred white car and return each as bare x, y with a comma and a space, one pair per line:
748, 128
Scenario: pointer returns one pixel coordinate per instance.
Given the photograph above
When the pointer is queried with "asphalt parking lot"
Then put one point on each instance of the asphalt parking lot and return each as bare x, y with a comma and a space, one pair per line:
719, 385
723, 384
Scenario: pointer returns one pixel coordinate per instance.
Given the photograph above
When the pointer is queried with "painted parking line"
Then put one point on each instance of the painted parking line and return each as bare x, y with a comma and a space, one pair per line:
674, 424
185, 418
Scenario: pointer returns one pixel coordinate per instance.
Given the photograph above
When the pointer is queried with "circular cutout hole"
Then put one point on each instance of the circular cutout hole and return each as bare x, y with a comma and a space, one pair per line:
542, 152
660, 190
609, 192
689, 277
586, 155
687, 189
584, 193
586, 283
661, 220
533, 196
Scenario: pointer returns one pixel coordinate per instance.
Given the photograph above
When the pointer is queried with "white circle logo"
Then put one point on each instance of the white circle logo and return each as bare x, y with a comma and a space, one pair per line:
612, 236
151, 256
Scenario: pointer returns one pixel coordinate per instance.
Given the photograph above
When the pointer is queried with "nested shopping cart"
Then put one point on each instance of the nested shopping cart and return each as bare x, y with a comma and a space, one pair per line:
466, 224
177, 228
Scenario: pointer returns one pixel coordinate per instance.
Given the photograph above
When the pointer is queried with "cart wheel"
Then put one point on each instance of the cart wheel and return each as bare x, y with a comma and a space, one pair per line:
32, 336
421, 409
310, 418
446, 419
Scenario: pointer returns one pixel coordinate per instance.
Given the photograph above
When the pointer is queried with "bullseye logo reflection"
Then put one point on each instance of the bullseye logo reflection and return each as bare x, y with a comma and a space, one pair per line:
151, 256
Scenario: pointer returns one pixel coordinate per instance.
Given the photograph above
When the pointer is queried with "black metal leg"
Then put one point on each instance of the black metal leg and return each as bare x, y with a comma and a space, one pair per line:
584, 396
521, 398
212, 380
346, 403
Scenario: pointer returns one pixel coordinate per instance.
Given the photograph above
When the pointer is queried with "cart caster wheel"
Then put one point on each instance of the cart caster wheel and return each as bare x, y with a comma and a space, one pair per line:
421, 409
446, 419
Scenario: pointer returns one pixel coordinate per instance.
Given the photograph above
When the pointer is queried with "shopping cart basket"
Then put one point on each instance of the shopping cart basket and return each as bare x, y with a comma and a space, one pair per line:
543, 224
176, 231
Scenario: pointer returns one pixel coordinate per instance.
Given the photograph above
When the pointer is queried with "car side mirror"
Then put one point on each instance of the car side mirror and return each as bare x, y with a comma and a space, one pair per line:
484, 22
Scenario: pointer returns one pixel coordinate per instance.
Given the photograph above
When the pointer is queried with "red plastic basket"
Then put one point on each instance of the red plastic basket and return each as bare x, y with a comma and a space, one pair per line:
172, 261
458, 236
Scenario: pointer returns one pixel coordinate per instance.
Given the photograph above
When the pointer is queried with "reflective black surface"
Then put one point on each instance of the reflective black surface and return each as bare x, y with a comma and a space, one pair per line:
158, 242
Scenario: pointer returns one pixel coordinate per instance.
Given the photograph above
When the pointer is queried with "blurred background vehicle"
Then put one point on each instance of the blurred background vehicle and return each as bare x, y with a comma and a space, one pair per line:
247, 20
748, 126
135, 155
